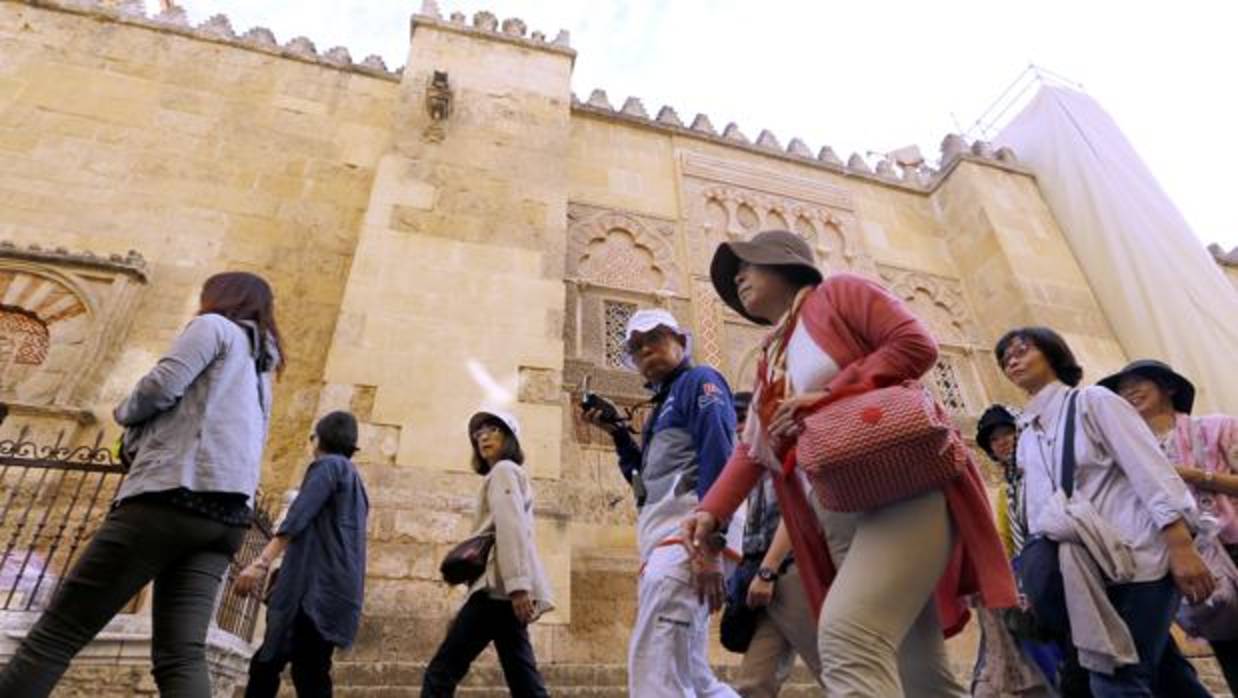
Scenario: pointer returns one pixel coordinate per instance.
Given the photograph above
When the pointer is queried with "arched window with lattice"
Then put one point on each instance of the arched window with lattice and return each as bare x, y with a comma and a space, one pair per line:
26, 339
60, 314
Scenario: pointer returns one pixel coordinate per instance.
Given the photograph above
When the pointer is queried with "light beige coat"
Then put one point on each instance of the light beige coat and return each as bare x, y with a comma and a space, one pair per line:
505, 506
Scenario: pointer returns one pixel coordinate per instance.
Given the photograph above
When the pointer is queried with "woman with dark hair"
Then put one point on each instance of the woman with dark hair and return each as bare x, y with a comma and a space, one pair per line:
198, 423
513, 591
1113, 493
896, 575
315, 601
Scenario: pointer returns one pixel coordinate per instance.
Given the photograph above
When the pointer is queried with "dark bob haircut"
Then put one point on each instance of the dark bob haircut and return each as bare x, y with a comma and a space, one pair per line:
511, 448
1061, 359
337, 433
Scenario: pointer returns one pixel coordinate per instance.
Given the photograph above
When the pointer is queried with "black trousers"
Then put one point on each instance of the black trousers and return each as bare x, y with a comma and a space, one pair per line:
481, 621
183, 553
310, 656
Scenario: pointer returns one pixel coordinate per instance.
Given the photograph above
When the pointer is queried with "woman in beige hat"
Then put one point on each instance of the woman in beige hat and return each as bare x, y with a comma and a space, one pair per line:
896, 576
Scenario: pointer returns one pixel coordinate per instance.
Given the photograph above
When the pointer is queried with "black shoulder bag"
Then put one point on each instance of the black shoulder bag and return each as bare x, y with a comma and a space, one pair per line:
1039, 572
466, 563
739, 620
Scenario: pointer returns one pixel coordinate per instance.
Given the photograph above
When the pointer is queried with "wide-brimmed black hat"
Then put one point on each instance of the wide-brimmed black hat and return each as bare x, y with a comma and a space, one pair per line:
994, 417
1183, 390
770, 248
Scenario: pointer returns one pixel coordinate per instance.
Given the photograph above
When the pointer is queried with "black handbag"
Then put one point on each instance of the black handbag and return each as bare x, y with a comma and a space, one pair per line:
1039, 571
739, 621
466, 563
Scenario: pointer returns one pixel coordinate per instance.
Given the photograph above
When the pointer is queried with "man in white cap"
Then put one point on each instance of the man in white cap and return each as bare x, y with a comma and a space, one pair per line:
686, 441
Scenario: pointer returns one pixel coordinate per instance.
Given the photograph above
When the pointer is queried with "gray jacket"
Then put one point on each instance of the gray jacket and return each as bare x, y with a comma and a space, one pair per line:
202, 412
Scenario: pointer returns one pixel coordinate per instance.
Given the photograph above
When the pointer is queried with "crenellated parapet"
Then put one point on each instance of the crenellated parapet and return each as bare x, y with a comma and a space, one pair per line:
511, 30
218, 28
904, 169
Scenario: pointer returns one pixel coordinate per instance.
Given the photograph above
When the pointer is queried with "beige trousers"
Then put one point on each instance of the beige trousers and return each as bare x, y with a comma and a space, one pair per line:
879, 636
784, 630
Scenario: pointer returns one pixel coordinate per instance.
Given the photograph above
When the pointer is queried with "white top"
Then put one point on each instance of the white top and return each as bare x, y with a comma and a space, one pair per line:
1119, 468
809, 368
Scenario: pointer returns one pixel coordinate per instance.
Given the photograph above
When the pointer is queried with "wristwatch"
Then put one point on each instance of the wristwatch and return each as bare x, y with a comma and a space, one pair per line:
765, 574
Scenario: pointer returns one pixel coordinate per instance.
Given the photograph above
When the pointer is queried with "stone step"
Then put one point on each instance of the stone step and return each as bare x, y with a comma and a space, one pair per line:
485, 679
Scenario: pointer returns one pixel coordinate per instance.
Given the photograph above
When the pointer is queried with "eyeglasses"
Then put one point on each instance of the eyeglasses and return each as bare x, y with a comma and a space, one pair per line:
652, 338
485, 430
1016, 350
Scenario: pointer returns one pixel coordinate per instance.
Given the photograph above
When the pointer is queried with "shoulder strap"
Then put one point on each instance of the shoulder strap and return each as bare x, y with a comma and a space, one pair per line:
1068, 445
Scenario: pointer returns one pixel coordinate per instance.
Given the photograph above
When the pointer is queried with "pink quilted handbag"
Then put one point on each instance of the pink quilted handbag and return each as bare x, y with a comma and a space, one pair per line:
864, 451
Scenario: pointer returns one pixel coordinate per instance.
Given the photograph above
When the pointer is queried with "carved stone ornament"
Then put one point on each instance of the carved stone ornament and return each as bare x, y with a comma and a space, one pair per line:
621, 250
727, 201
937, 300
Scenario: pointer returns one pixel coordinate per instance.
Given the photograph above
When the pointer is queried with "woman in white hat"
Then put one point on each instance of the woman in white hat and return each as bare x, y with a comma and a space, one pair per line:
513, 591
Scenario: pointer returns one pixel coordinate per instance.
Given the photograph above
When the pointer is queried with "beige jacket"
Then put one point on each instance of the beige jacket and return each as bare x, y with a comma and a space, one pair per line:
505, 506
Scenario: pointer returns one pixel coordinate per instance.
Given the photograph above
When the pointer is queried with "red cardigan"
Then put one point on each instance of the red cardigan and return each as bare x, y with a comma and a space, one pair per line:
877, 342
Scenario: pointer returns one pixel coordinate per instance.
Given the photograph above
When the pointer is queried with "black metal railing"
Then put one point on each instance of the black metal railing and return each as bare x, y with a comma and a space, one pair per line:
53, 497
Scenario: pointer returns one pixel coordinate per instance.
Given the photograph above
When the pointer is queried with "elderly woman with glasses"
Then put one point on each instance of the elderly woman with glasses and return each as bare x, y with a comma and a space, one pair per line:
513, 591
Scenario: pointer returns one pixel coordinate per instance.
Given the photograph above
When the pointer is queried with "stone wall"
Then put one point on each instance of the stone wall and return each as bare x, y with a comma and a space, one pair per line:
118, 134
459, 233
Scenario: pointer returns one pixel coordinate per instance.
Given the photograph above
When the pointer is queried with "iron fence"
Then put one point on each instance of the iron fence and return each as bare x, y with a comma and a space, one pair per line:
53, 497
238, 614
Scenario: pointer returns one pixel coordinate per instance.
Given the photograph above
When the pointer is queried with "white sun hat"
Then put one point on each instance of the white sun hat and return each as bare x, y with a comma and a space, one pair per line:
646, 321
508, 419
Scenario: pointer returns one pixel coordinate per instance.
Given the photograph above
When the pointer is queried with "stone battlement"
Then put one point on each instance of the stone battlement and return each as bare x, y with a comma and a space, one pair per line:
486, 24
218, 29
920, 178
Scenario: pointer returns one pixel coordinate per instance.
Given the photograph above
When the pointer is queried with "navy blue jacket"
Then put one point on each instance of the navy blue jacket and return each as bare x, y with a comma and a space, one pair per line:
323, 573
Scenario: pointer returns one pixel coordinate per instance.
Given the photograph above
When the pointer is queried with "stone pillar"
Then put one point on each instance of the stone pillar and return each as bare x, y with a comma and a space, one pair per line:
455, 299
1016, 266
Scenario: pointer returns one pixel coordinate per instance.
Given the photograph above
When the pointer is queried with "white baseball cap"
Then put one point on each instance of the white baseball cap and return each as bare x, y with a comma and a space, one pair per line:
646, 321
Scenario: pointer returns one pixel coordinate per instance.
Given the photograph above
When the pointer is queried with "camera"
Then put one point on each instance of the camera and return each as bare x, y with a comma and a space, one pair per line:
607, 412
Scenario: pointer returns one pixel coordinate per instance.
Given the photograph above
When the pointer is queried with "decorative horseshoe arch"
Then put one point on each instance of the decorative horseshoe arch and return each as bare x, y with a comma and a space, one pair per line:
620, 251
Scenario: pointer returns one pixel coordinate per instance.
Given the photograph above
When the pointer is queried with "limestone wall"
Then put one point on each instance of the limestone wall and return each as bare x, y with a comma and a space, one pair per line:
430, 261
118, 134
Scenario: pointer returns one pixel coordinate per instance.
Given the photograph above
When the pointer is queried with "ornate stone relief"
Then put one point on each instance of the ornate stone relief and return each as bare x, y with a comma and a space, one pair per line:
725, 200
59, 315
740, 213
938, 300
708, 311
940, 303
621, 250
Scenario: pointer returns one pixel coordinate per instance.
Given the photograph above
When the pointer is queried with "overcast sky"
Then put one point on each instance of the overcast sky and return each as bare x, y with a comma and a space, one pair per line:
866, 76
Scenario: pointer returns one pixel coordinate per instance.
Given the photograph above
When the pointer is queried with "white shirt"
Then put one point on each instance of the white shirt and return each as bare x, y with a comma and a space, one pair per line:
1119, 468
808, 366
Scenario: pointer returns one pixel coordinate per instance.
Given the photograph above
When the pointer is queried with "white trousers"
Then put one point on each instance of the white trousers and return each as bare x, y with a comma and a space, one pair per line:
668, 652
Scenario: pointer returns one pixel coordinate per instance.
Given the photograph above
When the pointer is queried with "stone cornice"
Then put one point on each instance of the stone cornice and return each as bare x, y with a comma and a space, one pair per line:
1225, 259
667, 121
218, 30
132, 264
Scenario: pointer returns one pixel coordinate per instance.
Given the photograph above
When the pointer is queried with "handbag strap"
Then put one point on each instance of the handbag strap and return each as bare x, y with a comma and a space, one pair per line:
1068, 445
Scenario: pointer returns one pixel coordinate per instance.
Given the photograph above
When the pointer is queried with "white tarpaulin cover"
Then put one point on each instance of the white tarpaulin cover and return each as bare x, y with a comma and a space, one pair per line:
1163, 293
